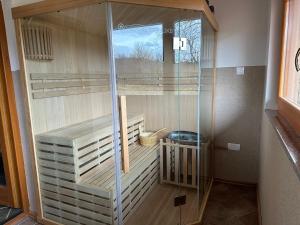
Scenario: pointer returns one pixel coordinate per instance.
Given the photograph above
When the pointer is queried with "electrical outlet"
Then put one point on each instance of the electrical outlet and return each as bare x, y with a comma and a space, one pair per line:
240, 71
234, 147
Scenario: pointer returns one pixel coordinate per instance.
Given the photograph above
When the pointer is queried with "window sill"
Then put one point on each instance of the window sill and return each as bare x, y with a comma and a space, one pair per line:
288, 137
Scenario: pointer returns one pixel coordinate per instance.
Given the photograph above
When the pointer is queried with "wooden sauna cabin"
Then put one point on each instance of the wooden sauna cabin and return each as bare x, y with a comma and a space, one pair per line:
96, 77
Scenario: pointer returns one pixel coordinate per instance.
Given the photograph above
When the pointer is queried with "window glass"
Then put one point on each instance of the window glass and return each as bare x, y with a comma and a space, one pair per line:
291, 89
139, 42
189, 29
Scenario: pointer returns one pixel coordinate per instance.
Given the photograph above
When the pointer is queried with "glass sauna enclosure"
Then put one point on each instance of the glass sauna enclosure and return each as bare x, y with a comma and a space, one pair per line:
101, 80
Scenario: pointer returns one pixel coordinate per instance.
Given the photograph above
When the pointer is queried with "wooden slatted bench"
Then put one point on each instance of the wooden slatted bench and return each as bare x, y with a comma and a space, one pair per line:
77, 179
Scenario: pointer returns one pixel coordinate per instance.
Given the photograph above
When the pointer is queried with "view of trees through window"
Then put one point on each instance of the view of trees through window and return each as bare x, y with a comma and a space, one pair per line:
189, 29
146, 42
139, 42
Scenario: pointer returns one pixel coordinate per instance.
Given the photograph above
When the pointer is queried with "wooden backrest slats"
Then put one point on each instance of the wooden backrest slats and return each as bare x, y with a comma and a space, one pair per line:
72, 151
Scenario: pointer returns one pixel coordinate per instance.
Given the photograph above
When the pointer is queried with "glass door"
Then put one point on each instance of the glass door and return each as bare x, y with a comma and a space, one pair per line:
187, 48
206, 103
142, 40
195, 78
157, 64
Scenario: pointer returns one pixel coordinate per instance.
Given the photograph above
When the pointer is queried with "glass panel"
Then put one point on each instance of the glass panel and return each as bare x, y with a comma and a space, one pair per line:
292, 59
189, 78
195, 67
68, 81
146, 77
139, 42
191, 30
207, 64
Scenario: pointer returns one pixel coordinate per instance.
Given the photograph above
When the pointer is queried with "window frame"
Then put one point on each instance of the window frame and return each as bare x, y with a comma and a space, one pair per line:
289, 110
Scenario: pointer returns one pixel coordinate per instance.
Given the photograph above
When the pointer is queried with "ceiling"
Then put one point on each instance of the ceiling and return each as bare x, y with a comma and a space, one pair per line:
92, 18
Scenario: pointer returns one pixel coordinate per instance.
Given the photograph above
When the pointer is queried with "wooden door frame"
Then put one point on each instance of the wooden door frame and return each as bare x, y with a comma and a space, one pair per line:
9, 131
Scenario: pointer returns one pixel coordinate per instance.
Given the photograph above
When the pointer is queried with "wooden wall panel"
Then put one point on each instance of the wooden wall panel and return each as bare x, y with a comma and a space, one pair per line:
74, 52
162, 111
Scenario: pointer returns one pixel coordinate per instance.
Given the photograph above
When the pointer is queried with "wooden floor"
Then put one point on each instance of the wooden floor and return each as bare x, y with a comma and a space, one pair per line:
158, 207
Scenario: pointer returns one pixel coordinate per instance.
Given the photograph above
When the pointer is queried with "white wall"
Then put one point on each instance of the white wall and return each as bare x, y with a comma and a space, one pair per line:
243, 34
273, 67
279, 186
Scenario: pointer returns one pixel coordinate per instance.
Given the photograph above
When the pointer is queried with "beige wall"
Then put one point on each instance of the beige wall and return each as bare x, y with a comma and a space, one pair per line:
242, 41
279, 186
239, 101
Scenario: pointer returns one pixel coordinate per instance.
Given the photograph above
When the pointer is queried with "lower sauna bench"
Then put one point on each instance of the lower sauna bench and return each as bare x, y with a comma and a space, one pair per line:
76, 167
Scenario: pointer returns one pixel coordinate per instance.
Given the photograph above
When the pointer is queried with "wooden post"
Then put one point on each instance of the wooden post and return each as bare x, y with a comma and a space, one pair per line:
124, 133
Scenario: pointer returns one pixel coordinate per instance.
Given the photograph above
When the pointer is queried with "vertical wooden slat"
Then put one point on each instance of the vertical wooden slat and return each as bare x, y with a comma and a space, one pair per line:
168, 158
45, 43
34, 40
184, 152
194, 174
184, 163
25, 33
176, 164
31, 41
42, 32
38, 41
161, 160
124, 134
50, 45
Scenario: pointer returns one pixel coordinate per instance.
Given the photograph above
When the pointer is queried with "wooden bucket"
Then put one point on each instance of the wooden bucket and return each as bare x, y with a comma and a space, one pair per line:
148, 139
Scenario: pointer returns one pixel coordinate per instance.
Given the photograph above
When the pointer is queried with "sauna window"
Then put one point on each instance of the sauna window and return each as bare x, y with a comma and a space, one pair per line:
188, 29
139, 42
289, 92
